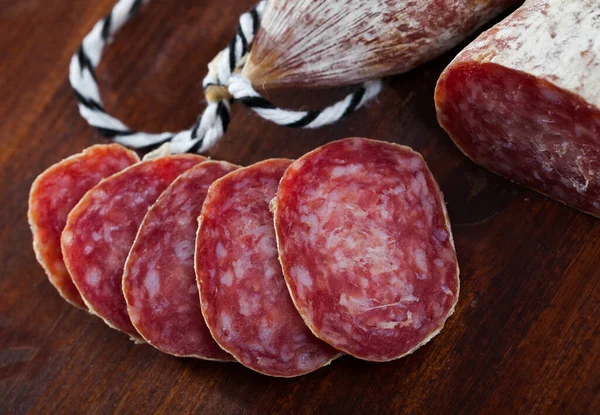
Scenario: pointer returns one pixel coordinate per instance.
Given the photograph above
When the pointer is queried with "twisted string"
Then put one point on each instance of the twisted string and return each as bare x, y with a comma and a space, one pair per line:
222, 86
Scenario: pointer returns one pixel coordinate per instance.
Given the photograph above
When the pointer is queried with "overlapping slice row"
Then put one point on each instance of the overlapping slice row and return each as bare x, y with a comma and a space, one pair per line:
281, 265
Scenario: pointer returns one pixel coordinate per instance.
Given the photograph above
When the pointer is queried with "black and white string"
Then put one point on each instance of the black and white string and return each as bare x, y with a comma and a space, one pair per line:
223, 85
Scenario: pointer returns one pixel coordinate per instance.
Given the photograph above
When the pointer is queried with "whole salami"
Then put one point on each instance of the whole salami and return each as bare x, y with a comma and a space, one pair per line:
242, 292
316, 43
102, 227
159, 282
55, 192
523, 100
366, 247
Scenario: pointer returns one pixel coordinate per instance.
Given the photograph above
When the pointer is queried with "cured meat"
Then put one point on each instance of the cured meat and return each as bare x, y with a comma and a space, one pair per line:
242, 292
102, 227
316, 43
366, 247
55, 192
523, 100
159, 282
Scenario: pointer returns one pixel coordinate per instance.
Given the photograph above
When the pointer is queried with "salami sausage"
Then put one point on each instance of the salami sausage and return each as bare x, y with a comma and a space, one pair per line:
366, 247
243, 296
101, 229
316, 43
523, 100
159, 282
55, 192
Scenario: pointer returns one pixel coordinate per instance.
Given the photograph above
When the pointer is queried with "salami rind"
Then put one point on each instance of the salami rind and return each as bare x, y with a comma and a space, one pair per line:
317, 43
243, 295
523, 100
102, 227
366, 247
53, 195
159, 281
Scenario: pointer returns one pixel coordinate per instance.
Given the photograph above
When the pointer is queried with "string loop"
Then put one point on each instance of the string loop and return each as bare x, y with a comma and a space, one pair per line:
222, 86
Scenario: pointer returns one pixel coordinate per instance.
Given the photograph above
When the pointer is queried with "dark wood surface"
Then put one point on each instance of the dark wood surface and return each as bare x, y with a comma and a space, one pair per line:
525, 336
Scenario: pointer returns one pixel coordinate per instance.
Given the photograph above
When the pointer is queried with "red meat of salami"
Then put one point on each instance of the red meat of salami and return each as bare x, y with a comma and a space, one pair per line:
102, 227
366, 247
523, 100
242, 292
55, 192
159, 282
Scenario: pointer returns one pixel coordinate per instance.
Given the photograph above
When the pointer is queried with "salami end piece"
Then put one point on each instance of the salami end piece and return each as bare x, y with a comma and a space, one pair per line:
159, 282
54, 194
101, 229
523, 100
366, 247
243, 295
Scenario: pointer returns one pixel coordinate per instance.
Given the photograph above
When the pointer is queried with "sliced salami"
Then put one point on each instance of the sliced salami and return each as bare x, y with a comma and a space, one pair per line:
159, 282
523, 100
102, 227
366, 247
244, 298
54, 194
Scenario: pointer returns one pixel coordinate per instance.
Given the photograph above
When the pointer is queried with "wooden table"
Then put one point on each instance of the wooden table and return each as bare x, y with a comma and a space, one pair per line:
525, 336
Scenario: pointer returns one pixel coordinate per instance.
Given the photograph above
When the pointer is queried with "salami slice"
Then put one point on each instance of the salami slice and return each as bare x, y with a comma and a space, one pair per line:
102, 227
159, 282
55, 192
243, 295
523, 100
366, 247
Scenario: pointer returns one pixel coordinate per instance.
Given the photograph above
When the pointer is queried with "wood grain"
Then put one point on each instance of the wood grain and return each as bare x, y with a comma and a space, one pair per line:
525, 337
